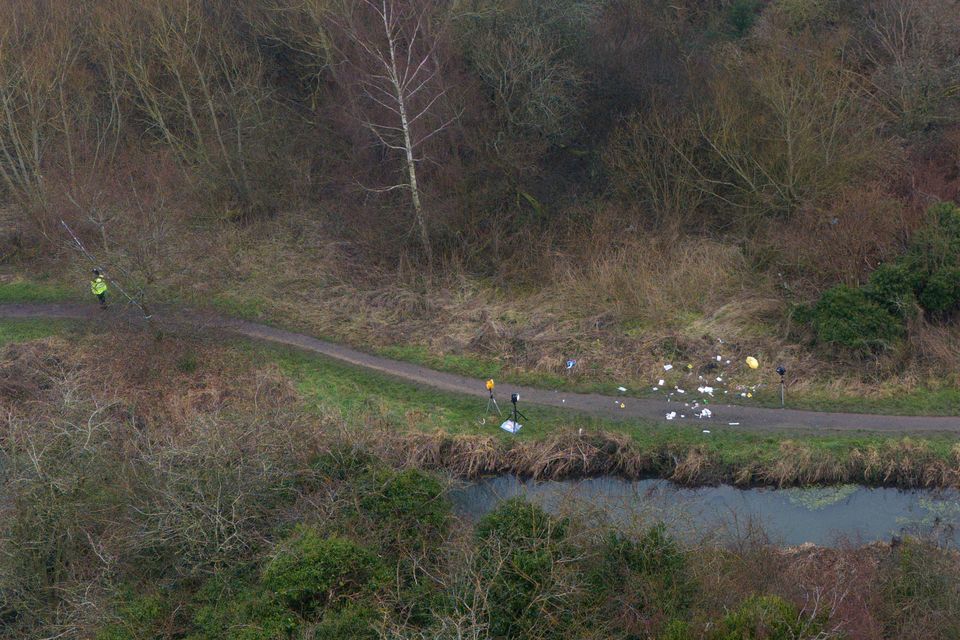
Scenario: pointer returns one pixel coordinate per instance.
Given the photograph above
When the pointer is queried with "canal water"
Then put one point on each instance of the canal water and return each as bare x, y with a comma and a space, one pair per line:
825, 516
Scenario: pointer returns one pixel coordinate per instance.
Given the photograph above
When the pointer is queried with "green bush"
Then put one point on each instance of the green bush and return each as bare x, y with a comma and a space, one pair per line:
343, 463
893, 287
519, 521
310, 571
353, 622
409, 508
652, 570
920, 592
846, 317
933, 259
245, 615
522, 556
926, 276
764, 618
139, 616
941, 291
741, 14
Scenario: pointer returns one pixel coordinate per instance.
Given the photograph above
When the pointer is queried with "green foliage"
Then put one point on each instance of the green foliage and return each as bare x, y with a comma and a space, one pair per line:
846, 317
870, 319
677, 630
652, 569
248, 615
892, 287
354, 621
343, 462
409, 506
187, 363
917, 580
941, 291
763, 618
522, 552
741, 14
138, 616
519, 521
310, 571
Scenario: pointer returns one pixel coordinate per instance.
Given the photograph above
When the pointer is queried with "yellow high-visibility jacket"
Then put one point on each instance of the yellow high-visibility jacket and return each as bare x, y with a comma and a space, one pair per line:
98, 285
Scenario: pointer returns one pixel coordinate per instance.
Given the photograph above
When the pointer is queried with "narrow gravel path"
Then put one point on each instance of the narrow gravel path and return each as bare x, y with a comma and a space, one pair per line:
748, 418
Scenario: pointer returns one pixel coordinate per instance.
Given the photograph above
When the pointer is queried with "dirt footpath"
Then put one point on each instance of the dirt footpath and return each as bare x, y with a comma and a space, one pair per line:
748, 418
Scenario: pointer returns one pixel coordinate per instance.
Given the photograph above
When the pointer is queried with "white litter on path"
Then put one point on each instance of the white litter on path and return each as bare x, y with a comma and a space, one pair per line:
661, 382
671, 415
667, 367
622, 389
705, 413
734, 424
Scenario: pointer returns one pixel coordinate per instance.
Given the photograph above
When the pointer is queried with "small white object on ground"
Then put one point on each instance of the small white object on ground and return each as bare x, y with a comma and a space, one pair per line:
667, 367
706, 430
622, 389
661, 382
671, 415
734, 424
510, 426
706, 390
719, 358
706, 413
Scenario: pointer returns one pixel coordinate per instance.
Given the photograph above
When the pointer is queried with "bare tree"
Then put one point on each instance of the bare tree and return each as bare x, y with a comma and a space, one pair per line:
911, 46
198, 92
34, 64
392, 47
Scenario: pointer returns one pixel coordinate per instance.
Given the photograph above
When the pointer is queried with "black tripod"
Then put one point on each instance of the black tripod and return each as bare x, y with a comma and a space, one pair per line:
514, 398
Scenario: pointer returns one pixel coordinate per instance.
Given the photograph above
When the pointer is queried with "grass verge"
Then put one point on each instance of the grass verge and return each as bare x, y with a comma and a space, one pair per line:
13, 331
32, 291
683, 452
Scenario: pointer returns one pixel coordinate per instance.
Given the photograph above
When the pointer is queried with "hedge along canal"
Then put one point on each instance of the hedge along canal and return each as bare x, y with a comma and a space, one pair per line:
824, 516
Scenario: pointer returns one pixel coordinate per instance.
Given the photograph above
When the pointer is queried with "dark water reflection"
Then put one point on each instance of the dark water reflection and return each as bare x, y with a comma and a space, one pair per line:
826, 516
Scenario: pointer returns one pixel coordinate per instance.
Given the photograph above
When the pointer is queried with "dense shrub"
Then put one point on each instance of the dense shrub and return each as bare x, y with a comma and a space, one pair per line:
846, 317
311, 571
138, 618
250, 614
521, 559
926, 276
408, 507
892, 286
522, 522
649, 574
941, 291
921, 593
354, 621
764, 618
